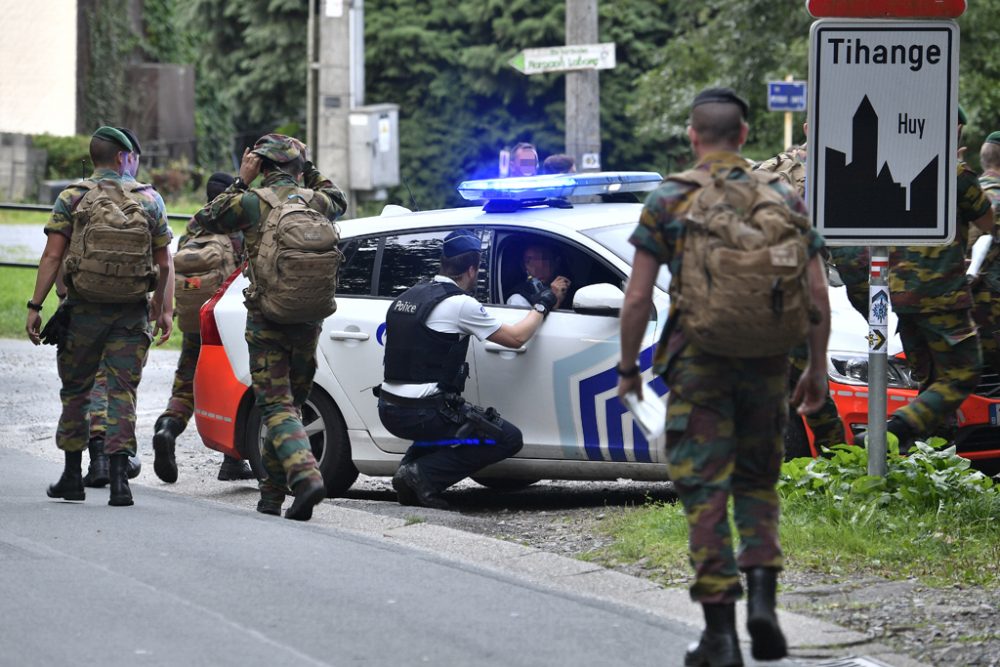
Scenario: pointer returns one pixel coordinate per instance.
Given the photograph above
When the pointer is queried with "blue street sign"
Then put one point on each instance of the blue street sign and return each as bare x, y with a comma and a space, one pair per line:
786, 96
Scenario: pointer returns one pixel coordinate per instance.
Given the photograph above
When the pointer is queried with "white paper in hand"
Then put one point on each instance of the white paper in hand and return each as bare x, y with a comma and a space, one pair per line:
650, 414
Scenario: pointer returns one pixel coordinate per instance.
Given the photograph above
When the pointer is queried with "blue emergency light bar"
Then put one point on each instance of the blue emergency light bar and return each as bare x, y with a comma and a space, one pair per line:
524, 189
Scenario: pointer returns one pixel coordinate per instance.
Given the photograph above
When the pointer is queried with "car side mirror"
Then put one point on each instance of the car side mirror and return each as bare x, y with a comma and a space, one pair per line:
599, 299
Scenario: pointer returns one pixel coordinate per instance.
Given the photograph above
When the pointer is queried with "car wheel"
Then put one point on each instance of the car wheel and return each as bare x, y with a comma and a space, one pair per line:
796, 438
327, 437
503, 483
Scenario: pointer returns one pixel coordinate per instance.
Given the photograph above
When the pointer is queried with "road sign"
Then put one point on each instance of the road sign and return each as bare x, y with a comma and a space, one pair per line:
786, 96
925, 9
883, 120
565, 58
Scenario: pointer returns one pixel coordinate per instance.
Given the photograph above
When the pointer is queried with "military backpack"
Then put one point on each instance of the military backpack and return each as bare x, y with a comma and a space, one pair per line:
789, 168
743, 288
293, 272
201, 265
110, 257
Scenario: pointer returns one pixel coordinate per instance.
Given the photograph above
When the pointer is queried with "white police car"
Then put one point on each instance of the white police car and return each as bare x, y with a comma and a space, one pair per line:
560, 389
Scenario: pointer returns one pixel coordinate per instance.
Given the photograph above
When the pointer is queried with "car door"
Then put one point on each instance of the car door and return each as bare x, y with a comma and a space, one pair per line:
560, 388
376, 270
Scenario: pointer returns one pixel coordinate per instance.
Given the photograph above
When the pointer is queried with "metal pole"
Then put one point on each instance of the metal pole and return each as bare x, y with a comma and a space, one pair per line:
583, 90
311, 79
878, 361
788, 121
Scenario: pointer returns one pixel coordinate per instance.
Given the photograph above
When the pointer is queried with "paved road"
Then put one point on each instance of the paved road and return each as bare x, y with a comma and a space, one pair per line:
176, 580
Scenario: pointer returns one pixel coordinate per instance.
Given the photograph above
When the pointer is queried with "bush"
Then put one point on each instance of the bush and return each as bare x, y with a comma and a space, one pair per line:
69, 157
176, 179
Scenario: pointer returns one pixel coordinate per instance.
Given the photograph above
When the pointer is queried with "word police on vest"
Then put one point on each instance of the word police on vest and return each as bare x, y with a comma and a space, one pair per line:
856, 53
404, 307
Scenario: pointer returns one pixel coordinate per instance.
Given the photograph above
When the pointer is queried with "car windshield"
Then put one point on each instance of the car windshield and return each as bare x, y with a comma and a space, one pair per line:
615, 239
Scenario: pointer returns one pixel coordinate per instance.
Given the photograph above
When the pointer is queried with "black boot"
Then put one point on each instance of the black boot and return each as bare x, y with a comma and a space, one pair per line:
121, 494
903, 433
164, 463
70, 484
768, 642
719, 645
308, 492
134, 466
97, 471
234, 469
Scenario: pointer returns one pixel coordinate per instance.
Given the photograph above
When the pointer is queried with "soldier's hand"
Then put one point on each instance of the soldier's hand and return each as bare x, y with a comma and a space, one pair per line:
249, 167
34, 326
810, 392
163, 327
626, 385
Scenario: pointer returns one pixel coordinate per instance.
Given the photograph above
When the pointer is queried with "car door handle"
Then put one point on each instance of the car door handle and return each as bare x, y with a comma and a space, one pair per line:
493, 347
349, 335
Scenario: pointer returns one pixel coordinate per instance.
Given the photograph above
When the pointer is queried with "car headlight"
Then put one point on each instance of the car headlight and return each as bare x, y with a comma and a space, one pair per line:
852, 368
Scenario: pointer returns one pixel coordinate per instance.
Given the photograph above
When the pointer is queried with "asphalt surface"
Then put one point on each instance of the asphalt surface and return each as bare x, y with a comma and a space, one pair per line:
191, 573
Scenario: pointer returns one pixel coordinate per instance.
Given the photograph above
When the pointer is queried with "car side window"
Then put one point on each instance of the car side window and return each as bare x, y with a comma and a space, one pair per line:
358, 267
408, 258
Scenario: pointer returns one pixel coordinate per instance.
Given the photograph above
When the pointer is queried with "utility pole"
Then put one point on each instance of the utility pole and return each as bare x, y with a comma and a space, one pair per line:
583, 90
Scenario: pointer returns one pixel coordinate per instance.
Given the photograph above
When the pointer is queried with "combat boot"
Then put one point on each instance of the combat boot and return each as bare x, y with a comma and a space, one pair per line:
270, 503
234, 469
164, 463
97, 471
134, 466
308, 492
121, 494
719, 645
767, 640
70, 484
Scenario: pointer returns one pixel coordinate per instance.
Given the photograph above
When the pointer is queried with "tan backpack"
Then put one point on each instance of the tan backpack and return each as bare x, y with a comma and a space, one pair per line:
293, 272
789, 168
110, 257
201, 265
743, 288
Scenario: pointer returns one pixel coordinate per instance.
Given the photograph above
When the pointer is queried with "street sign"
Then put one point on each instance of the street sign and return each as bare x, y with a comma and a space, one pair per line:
924, 9
786, 96
565, 58
883, 120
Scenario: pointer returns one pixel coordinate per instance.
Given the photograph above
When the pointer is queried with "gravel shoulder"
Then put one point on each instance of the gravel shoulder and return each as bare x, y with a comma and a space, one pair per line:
937, 626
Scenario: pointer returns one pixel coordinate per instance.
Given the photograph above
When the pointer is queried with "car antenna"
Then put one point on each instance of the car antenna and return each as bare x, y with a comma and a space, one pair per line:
413, 202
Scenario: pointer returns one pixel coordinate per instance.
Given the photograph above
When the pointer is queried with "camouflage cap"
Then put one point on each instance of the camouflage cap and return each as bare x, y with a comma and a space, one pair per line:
279, 148
114, 134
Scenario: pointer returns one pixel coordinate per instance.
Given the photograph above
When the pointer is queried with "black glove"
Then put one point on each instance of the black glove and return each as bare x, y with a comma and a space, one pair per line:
55, 329
546, 298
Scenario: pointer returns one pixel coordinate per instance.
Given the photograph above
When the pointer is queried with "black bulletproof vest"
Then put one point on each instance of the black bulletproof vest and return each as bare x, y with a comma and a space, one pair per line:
416, 354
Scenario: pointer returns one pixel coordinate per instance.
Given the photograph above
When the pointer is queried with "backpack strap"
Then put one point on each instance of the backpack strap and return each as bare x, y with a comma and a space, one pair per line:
268, 195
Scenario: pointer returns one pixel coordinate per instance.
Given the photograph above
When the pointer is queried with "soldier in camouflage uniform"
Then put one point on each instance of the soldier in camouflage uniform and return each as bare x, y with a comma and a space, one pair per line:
725, 416
180, 407
282, 357
826, 425
119, 333
986, 287
930, 294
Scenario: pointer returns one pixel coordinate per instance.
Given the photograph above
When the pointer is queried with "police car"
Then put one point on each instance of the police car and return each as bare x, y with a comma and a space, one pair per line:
560, 388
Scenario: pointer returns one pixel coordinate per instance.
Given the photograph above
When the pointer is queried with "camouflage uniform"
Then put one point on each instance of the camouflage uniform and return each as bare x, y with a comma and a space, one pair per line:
931, 296
282, 357
116, 336
725, 421
825, 424
986, 289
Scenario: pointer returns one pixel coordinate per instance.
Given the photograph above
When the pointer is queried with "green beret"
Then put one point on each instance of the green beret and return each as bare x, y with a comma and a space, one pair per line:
962, 118
115, 135
278, 148
993, 138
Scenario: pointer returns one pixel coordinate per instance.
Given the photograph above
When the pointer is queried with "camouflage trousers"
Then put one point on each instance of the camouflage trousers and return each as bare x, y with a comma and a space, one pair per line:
942, 350
828, 429
725, 424
857, 294
180, 407
986, 313
99, 402
112, 339
282, 365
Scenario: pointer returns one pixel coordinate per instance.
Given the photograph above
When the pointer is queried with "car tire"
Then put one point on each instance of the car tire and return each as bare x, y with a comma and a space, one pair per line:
504, 483
327, 436
796, 438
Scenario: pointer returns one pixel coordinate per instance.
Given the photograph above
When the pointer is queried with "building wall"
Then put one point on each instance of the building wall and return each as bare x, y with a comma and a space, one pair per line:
38, 67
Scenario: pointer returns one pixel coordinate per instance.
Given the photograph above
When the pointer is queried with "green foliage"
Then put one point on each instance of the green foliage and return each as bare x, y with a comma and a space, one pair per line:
111, 41
68, 157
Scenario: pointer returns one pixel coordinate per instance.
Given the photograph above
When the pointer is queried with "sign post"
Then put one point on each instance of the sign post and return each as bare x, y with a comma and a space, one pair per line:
787, 96
565, 58
883, 121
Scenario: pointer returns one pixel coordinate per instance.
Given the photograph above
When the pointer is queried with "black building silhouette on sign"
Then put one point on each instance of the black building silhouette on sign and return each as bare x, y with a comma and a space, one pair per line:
860, 195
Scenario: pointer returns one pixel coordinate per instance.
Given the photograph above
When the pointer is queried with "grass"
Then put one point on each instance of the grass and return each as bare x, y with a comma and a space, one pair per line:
955, 543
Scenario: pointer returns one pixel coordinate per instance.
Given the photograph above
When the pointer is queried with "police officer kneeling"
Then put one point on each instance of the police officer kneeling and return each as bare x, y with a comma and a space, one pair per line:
427, 338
